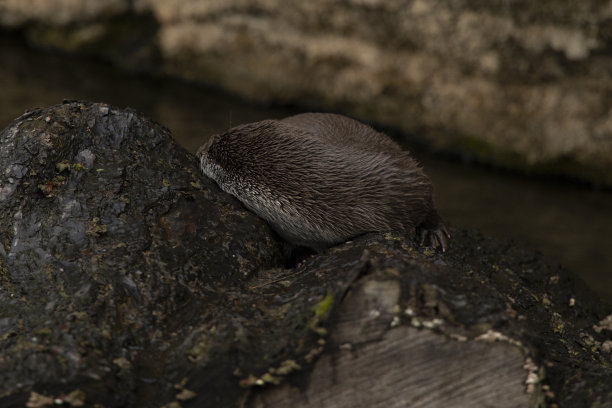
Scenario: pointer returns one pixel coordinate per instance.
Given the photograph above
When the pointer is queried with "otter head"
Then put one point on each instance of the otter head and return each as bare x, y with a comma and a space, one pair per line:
229, 156
220, 162
207, 163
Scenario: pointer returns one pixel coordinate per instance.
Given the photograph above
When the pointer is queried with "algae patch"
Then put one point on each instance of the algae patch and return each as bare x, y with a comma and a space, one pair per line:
321, 310
65, 165
94, 228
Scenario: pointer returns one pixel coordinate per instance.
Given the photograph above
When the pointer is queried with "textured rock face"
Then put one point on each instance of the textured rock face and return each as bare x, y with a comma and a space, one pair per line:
109, 236
128, 279
524, 85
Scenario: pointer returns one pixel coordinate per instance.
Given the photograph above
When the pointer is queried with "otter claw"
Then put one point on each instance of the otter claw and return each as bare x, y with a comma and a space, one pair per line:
435, 238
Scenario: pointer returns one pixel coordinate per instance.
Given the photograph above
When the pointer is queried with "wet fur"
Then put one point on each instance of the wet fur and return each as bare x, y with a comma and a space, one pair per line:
321, 179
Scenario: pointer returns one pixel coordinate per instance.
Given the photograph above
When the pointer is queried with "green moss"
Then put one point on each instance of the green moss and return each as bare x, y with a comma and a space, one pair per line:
43, 331
589, 341
49, 187
321, 310
62, 166
268, 378
5, 279
65, 165
287, 366
94, 228
557, 323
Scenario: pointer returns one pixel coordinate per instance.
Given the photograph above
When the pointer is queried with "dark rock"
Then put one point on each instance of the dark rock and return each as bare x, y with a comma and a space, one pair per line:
113, 244
486, 324
521, 85
129, 279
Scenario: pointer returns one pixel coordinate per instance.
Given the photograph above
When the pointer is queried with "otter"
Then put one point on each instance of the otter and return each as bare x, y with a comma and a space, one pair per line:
320, 179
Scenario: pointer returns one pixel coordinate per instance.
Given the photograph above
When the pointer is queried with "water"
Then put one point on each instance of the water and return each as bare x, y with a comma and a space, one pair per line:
570, 224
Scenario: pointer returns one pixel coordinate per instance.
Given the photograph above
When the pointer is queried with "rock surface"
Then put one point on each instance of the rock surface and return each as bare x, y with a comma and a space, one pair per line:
522, 85
128, 279
112, 241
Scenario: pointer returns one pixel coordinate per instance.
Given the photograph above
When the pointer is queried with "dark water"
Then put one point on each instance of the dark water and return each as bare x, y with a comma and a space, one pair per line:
570, 224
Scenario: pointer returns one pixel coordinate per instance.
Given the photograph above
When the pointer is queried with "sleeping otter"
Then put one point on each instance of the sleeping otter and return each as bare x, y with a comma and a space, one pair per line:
320, 179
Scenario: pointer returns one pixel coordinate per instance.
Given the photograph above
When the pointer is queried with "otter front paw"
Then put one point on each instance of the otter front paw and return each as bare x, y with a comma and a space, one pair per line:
435, 237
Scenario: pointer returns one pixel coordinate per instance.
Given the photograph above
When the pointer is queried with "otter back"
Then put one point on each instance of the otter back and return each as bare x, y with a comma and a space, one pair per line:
321, 179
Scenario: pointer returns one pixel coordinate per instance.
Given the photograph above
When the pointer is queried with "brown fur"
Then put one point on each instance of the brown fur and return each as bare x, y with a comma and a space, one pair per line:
320, 179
